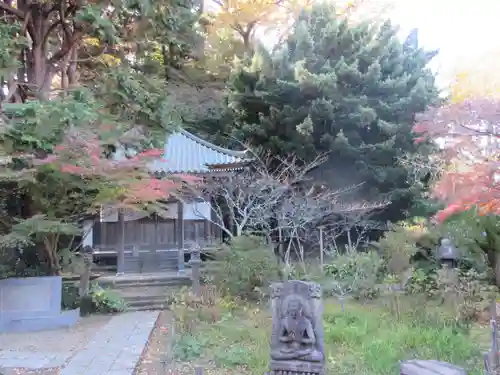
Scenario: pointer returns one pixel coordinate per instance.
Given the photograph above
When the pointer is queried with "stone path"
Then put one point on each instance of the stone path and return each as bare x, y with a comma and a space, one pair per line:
114, 350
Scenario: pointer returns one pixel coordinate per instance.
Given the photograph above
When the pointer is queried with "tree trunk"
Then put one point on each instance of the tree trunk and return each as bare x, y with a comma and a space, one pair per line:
494, 260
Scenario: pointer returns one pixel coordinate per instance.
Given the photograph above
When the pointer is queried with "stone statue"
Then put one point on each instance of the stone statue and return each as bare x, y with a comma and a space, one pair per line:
297, 337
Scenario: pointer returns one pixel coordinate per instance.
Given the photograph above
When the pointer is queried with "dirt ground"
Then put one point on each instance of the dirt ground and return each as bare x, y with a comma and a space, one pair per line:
155, 357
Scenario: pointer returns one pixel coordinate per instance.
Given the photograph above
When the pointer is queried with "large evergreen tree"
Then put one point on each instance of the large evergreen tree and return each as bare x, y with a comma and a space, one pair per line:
349, 89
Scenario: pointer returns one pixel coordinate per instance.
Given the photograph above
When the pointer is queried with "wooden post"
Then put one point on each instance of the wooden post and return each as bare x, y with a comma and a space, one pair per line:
120, 260
321, 249
198, 370
180, 236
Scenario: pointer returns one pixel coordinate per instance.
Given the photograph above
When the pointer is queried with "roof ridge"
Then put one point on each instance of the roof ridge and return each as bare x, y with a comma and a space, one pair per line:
222, 150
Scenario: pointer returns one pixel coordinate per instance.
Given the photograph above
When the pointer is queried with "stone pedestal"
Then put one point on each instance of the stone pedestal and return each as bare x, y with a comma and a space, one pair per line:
429, 367
33, 304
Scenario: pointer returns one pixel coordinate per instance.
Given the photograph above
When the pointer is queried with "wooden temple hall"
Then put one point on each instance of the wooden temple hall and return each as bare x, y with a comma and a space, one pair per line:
141, 242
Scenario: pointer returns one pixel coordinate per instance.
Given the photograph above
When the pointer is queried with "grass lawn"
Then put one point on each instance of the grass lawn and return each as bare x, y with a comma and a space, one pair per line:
364, 339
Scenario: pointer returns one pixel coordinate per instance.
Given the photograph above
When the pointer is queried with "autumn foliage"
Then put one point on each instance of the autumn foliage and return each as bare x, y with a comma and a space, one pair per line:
124, 181
470, 136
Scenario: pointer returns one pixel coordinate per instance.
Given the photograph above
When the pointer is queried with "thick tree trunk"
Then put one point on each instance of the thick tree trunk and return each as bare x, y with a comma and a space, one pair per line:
494, 260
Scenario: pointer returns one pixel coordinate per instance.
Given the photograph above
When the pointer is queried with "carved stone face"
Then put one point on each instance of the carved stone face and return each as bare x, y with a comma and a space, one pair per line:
294, 308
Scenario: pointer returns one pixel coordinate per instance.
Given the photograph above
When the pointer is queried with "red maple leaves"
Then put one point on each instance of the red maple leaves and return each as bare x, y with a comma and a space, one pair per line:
128, 181
469, 132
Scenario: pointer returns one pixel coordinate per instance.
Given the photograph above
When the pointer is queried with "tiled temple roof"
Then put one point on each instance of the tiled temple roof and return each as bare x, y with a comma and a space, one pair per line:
187, 153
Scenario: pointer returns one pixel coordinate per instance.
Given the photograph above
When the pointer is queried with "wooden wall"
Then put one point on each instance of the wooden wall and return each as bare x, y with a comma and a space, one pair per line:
153, 234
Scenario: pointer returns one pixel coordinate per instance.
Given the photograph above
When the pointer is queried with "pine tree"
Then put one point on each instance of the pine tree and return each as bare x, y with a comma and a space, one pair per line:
348, 89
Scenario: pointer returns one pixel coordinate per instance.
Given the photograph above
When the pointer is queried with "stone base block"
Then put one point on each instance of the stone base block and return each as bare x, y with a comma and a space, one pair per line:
429, 367
66, 318
296, 367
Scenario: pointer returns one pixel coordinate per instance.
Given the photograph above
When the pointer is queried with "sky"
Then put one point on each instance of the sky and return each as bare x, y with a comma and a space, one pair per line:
463, 31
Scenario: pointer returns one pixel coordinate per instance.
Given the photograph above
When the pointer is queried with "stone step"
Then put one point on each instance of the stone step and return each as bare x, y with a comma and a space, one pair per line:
133, 285
151, 307
145, 303
144, 299
140, 291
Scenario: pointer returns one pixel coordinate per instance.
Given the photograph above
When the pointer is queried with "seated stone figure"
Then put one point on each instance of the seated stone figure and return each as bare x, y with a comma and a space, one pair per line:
296, 335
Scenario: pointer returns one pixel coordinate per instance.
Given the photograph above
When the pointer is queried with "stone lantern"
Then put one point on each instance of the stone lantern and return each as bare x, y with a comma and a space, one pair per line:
195, 263
447, 253
85, 299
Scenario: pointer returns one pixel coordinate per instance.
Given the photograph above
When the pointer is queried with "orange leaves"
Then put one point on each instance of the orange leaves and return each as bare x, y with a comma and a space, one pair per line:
469, 132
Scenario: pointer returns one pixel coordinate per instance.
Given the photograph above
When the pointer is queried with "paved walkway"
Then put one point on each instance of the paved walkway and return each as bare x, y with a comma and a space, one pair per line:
114, 350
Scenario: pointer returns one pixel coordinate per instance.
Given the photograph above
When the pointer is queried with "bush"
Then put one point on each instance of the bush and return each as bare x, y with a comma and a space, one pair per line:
244, 269
407, 246
466, 292
190, 309
106, 301
189, 347
355, 274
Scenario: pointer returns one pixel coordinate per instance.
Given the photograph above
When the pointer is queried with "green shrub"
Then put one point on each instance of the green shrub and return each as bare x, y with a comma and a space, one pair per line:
189, 347
190, 309
236, 355
354, 274
106, 301
398, 247
466, 292
407, 246
421, 282
245, 268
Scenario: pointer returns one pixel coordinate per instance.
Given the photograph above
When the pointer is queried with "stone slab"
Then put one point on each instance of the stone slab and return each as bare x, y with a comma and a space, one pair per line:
33, 304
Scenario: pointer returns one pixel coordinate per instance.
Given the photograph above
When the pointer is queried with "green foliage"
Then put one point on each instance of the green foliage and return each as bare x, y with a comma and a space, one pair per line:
240, 343
237, 355
400, 247
421, 281
350, 89
467, 292
354, 274
464, 294
477, 236
245, 268
189, 347
106, 301
70, 296
10, 46
189, 308
102, 27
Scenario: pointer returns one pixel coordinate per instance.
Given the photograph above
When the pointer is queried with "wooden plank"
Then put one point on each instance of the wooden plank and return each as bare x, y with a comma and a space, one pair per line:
155, 234
121, 243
